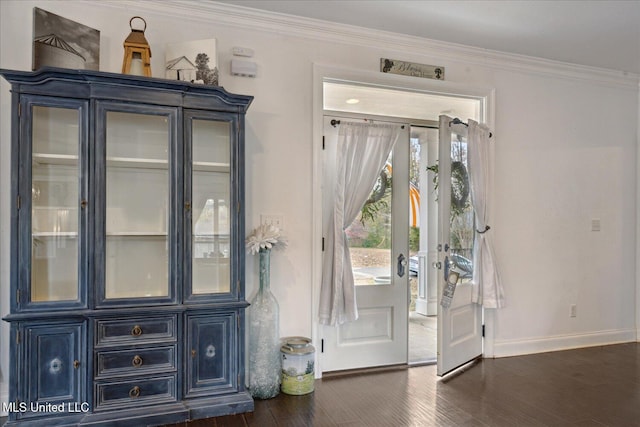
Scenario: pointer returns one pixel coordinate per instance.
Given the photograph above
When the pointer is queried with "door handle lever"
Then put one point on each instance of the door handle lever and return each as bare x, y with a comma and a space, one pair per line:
447, 267
402, 262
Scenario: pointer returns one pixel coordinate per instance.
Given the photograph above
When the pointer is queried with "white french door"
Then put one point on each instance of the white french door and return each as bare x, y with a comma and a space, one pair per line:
459, 320
379, 252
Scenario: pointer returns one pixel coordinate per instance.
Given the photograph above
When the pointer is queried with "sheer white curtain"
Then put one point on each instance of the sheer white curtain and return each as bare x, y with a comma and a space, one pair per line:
362, 151
487, 286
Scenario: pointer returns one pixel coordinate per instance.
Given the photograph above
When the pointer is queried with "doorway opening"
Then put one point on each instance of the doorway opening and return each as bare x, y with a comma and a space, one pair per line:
419, 111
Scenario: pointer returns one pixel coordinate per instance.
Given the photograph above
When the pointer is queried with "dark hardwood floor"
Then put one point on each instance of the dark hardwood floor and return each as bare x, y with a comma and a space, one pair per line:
598, 386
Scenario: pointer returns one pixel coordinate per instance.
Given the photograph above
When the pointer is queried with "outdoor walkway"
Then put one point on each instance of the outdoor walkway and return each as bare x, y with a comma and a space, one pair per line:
423, 332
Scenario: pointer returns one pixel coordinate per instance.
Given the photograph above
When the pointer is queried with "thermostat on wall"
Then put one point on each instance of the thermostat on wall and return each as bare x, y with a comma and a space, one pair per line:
243, 68
242, 51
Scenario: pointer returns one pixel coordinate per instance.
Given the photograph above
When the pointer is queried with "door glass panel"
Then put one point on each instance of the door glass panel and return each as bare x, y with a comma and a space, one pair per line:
462, 217
416, 166
211, 204
369, 235
137, 169
54, 210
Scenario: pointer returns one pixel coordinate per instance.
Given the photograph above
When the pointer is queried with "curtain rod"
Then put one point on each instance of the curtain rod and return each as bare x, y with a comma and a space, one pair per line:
335, 122
457, 121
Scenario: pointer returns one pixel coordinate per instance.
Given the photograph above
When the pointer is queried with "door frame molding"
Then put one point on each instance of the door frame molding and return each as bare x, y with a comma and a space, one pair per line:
322, 73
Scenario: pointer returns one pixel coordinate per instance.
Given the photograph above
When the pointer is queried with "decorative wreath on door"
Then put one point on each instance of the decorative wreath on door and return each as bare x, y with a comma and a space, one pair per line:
459, 185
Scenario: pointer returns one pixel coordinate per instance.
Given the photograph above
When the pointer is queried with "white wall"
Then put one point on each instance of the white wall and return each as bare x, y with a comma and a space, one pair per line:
638, 225
565, 156
566, 140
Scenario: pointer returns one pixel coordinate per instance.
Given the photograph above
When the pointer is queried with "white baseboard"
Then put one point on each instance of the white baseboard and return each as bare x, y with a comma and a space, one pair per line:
519, 347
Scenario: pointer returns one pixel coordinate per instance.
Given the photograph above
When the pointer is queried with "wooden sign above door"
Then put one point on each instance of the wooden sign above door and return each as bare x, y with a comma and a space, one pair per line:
393, 66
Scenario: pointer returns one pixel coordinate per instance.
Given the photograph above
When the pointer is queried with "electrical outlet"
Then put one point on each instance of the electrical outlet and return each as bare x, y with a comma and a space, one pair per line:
573, 310
275, 220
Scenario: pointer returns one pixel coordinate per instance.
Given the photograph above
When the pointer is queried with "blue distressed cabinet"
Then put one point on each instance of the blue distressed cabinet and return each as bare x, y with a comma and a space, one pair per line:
127, 254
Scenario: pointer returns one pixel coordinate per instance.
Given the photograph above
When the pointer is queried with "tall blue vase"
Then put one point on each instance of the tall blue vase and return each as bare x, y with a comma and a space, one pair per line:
264, 337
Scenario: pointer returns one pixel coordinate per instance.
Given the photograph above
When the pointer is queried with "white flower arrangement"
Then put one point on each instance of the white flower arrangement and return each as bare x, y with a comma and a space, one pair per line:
265, 237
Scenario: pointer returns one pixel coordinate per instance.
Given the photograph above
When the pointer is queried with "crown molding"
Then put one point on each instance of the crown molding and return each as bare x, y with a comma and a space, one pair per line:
243, 17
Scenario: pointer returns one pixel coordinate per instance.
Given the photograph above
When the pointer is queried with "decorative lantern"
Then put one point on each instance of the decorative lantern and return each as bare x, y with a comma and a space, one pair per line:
137, 53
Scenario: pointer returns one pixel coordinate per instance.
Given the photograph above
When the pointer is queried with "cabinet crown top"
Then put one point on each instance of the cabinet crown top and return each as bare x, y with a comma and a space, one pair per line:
102, 85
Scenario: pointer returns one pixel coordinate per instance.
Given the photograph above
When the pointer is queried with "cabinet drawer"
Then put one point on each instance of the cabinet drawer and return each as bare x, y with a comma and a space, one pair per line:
136, 330
135, 392
137, 361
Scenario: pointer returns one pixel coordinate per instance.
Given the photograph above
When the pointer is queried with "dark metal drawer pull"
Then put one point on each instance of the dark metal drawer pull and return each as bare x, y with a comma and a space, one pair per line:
136, 331
134, 392
137, 361
76, 364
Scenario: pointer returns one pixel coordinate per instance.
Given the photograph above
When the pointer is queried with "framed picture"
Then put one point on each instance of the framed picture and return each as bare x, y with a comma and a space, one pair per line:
60, 42
193, 61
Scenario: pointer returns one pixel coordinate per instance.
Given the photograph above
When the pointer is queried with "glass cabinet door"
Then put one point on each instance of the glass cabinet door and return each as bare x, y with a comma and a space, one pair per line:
211, 217
137, 181
55, 199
